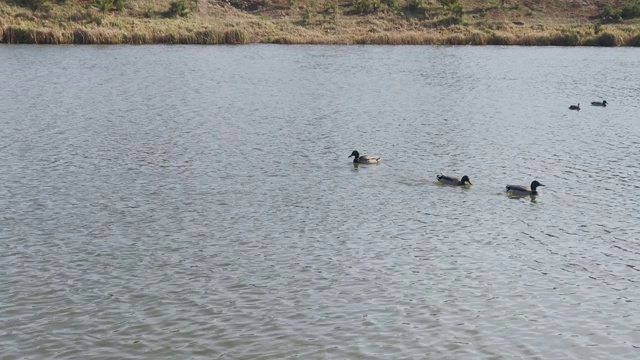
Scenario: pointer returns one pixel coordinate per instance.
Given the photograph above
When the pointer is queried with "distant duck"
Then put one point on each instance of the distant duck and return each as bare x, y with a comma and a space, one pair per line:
598, 103
575, 107
364, 159
524, 190
450, 180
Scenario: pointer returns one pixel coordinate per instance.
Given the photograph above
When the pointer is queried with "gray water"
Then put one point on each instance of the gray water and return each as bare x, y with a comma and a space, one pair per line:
174, 202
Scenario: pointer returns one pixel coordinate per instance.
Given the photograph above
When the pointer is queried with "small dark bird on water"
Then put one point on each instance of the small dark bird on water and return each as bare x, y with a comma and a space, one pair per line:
451, 180
524, 190
364, 159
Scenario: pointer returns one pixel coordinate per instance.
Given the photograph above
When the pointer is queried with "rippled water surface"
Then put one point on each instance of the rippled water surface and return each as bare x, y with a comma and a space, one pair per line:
198, 202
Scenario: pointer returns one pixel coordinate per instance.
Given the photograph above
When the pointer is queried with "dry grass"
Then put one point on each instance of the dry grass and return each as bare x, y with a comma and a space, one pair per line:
485, 22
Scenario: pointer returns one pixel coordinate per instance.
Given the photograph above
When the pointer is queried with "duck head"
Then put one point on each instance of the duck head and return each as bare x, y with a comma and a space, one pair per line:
535, 184
355, 153
465, 180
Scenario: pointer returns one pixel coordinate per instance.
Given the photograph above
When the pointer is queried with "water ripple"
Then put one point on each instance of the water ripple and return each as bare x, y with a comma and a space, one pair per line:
155, 210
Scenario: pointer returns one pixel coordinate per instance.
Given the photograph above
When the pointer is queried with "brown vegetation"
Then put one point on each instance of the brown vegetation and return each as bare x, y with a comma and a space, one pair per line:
438, 22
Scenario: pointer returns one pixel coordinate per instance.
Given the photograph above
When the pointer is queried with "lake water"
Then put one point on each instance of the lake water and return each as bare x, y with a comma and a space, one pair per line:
174, 202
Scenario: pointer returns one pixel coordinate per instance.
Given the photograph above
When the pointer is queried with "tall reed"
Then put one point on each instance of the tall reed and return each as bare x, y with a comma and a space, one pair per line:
104, 36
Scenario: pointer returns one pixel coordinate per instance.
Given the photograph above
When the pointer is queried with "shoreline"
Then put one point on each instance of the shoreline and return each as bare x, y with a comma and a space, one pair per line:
215, 22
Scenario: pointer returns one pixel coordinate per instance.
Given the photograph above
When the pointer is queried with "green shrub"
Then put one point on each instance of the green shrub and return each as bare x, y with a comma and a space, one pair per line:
571, 39
119, 4
391, 4
148, 12
454, 7
456, 10
415, 6
330, 11
178, 8
366, 6
608, 11
630, 10
103, 5
634, 41
34, 4
236, 4
608, 39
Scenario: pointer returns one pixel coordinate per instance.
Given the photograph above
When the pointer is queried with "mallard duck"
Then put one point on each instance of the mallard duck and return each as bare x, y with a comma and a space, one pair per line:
364, 159
575, 107
598, 103
524, 190
451, 180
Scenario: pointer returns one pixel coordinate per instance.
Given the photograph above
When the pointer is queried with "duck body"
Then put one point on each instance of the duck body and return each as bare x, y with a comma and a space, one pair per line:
575, 107
602, 103
452, 180
524, 190
364, 159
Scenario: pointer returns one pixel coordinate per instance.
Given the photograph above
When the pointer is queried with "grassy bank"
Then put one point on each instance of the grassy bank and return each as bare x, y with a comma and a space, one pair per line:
437, 22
